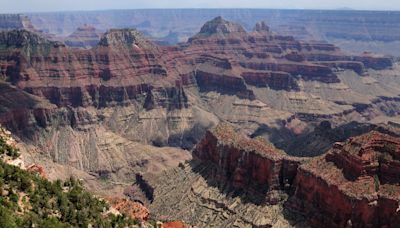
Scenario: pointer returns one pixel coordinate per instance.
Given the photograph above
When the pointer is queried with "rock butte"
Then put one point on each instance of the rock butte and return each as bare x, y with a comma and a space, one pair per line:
246, 162
84, 37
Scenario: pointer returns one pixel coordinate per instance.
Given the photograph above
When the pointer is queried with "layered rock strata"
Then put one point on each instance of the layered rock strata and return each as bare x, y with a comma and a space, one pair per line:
246, 162
356, 183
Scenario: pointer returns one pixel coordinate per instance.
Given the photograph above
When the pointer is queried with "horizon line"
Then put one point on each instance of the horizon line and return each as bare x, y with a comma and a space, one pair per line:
210, 8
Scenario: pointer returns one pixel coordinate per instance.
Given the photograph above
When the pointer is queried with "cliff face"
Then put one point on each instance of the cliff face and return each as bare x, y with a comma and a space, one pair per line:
68, 77
354, 183
264, 59
246, 162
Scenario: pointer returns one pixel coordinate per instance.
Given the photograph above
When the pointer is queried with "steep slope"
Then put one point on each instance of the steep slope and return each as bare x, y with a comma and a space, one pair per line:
355, 183
310, 81
45, 113
245, 162
233, 181
28, 199
237, 181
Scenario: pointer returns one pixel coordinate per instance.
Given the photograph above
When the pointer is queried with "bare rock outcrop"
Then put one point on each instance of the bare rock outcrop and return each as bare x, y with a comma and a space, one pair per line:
219, 26
84, 37
246, 162
355, 182
38, 170
129, 208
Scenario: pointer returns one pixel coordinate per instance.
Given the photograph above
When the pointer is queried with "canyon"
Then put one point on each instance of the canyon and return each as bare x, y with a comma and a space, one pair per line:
234, 127
355, 184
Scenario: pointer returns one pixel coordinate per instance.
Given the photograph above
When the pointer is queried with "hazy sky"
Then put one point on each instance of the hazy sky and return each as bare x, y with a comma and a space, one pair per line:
67, 5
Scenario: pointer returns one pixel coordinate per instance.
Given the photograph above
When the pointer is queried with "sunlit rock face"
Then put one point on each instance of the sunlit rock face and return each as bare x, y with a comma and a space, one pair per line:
246, 162
354, 183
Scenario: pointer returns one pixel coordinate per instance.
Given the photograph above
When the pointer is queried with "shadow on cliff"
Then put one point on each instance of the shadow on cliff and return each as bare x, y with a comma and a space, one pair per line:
273, 135
320, 140
250, 194
186, 140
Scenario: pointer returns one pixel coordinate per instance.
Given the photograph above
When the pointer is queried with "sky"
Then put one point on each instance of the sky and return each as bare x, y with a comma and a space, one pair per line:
17, 6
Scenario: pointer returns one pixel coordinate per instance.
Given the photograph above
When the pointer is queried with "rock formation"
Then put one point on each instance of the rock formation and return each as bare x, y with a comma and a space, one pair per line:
175, 224
129, 208
85, 37
324, 136
246, 162
266, 59
233, 181
38, 170
261, 27
15, 21
220, 27
356, 183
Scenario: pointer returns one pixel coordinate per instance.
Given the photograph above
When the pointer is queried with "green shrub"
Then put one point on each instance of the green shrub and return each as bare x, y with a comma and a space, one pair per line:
74, 207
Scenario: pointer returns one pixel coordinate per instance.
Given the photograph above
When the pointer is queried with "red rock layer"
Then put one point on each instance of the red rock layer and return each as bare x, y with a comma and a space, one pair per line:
355, 183
275, 80
246, 162
174, 224
38, 169
223, 48
124, 65
129, 208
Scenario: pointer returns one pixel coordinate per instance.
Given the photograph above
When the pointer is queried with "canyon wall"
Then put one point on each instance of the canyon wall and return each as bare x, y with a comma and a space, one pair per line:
353, 184
246, 162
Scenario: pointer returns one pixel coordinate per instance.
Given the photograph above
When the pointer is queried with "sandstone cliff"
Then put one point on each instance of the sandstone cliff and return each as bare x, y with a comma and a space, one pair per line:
354, 183
246, 162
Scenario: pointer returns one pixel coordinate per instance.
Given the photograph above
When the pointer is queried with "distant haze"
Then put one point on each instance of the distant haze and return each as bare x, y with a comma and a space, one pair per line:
14, 6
